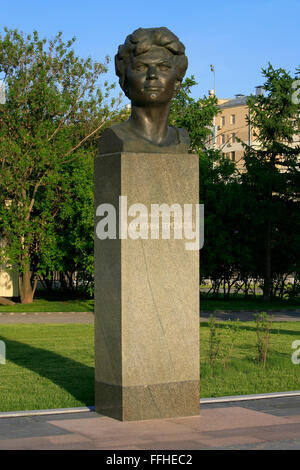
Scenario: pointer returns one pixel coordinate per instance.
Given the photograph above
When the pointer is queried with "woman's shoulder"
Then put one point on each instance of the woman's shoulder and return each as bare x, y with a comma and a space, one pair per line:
183, 136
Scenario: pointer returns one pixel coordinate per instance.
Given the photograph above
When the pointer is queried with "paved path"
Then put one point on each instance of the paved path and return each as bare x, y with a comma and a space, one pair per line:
47, 317
248, 315
260, 424
88, 317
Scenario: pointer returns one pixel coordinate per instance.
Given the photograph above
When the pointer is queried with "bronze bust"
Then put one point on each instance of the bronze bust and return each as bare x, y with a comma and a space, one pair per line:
150, 65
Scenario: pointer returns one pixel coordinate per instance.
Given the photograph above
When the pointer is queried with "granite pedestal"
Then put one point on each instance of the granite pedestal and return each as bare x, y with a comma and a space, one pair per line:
146, 294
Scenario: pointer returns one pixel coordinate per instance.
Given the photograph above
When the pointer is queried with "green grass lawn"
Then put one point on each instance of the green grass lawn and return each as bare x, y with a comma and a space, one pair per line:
51, 305
246, 375
47, 366
52, 366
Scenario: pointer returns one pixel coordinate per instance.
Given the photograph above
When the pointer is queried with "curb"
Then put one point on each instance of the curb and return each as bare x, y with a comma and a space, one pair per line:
203, 401
56, 411
258, 396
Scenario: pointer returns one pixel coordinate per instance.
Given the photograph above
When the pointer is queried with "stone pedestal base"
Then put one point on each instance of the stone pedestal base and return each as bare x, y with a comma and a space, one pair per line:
165, 400
146, 294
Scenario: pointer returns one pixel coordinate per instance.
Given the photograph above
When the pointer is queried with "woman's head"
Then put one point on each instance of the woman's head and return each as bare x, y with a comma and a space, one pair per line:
140, 42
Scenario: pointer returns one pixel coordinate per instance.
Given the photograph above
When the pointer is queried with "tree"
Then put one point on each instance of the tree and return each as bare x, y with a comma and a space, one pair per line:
194, 115
72, 230
273, 165
54, 109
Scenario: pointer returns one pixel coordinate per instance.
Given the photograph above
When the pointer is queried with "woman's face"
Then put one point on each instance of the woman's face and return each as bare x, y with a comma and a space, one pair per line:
151, 78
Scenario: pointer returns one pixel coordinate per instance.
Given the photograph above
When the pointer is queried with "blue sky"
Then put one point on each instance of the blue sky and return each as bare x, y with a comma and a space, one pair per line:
238, 37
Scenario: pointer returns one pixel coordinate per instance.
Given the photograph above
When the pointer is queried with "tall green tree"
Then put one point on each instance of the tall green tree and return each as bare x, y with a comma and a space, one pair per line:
68, 244
272, 165
54, 109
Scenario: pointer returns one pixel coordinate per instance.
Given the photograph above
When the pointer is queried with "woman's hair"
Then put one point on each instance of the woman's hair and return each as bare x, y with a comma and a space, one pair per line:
140, 41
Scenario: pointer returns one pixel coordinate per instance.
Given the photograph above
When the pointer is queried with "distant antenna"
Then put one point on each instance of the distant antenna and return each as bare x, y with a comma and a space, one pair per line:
2, 93
212, 68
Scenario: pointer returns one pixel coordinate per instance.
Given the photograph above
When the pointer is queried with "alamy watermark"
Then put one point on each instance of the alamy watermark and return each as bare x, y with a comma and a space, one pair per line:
296, 354
2, 352
162, 222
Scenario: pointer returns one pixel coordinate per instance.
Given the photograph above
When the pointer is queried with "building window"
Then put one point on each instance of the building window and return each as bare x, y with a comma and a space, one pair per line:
223, 139
214, 135
232, 119
232, 156
223, 121
233, 138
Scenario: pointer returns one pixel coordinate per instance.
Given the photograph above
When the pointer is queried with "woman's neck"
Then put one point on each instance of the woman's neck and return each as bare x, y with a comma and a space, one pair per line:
151, 122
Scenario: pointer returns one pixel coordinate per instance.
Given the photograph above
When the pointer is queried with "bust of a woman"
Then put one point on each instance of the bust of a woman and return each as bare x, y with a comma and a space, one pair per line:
150, 65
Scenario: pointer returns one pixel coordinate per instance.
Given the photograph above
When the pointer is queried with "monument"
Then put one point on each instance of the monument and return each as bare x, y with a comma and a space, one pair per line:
146, 273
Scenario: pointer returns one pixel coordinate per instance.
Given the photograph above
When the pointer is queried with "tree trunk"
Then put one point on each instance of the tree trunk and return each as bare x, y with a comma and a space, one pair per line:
4, 301
26, 291
267, 274
63, 281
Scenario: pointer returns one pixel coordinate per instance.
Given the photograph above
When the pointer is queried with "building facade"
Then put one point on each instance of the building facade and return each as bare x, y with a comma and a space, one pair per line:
9, 278
9, 282
230, 125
